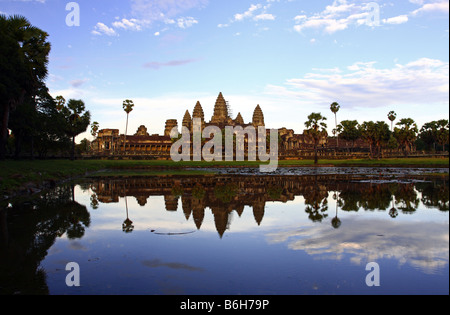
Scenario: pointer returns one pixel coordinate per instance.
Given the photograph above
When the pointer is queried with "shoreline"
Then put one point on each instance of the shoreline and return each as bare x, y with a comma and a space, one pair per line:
25, 178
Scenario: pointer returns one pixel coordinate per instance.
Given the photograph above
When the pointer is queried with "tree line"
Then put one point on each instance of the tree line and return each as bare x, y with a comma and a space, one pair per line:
405, 136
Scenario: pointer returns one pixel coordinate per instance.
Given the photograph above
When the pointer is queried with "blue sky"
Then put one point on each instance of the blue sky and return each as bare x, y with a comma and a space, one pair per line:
292, 57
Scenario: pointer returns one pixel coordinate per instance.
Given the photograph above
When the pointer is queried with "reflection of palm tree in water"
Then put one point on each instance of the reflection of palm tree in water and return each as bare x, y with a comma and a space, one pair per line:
336, 222
316, 201
127, 225
393, 212
316, 204
406, 198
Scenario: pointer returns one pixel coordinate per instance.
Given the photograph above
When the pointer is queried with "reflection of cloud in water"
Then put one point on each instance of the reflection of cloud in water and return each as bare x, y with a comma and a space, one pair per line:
423, 245
75, 245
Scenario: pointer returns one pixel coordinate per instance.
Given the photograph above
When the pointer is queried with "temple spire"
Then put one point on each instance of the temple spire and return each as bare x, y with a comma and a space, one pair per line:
258, 117
220, 110
198, 111
239, 120
187, 120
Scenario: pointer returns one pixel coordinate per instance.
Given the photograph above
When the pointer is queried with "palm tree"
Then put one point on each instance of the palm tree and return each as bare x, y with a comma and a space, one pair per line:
23, 66
349, 130
94, 129
442, 132
376, 134
406, 134
316, 130
392, 116
335, 108
128, 108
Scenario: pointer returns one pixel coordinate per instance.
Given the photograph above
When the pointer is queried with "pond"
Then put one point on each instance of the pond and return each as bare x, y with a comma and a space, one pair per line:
230, 234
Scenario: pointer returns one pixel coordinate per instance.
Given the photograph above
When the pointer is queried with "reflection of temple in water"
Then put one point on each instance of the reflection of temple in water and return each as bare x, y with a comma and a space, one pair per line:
221, 194
224, 194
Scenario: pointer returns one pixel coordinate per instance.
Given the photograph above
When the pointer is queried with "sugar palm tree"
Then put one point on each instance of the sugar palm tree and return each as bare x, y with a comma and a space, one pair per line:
406, 133
316, 130
128, 108
442, 133
94, 129
334, 109
376, 135
95, 126
392, 116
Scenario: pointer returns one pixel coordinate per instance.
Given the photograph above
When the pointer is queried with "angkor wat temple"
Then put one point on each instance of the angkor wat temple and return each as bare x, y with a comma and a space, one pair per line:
110, 142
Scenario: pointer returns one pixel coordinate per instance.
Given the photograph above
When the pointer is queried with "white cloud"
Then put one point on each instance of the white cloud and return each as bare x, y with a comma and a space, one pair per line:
364, 88
329, 25
146, 12
159, 10
396, 20
102, 29
342, 14
256, 12
247, 14
338, 7
300, 18
442, 6
417, 82
425, 248
336, 17
132, 24
185, 22
70, 93
416, 1
264, 16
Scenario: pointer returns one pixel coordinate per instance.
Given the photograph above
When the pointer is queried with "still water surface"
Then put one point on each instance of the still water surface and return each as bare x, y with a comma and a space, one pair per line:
226, 234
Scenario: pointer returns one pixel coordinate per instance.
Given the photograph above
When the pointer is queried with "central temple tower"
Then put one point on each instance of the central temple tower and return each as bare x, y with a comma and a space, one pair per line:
220, 111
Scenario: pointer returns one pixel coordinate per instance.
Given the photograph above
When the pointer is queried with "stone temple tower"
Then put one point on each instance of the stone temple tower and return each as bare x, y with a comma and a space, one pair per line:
198, 113
187, 121
239, 120
220, 111
170, 124
258, 117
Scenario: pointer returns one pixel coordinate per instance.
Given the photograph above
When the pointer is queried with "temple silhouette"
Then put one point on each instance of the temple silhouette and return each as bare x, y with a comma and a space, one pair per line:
142, 144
